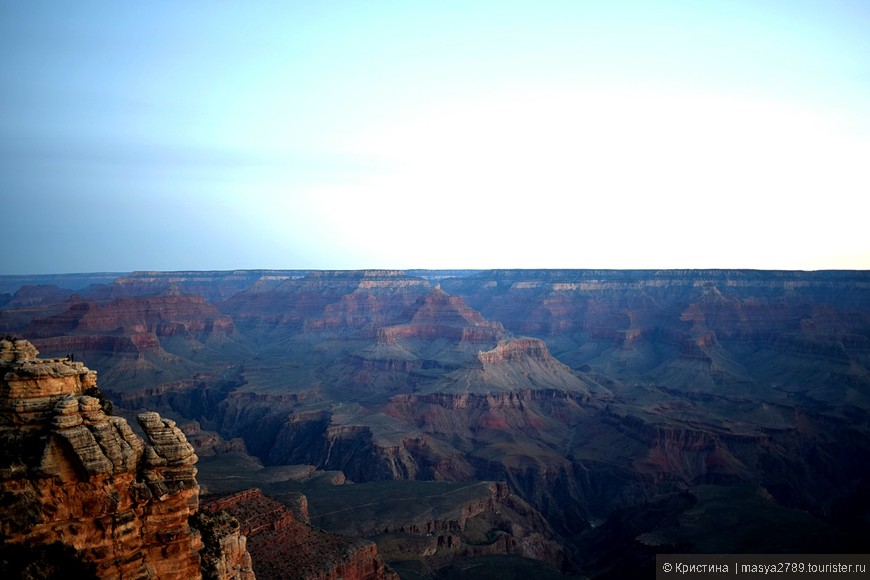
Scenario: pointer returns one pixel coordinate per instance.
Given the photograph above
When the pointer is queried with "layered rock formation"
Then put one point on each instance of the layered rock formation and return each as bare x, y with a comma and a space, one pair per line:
144, 339
325, 301
211, 285
436, 523
225, 556
282, 546
700, 329
144, 321
10, 284
452, 376
74, 476
30, 302
447, 346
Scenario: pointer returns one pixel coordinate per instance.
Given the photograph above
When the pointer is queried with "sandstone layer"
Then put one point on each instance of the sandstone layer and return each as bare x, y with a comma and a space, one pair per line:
282, 546
71, 475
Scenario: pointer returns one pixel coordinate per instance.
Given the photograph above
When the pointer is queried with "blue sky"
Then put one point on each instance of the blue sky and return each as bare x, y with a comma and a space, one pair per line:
222, 135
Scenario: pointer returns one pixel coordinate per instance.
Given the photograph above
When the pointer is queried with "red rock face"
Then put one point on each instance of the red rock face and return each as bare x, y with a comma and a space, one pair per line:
165, 315
34, 296
129, 327
440, 315
73, 475
517, 350
283, 547
30, 302
131, 344
326, 301
443, 332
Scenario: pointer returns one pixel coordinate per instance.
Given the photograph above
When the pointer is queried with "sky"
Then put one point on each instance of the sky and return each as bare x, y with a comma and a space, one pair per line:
215, 135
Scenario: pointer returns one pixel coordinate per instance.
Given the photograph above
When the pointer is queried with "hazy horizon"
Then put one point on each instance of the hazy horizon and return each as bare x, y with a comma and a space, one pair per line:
410, 271
458, 135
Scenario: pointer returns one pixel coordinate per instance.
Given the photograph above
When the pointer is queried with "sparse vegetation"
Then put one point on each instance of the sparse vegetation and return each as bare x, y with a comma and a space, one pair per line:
105, 402
213, 527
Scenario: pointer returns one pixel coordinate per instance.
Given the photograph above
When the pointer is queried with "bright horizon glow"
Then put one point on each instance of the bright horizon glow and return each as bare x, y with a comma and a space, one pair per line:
217, 136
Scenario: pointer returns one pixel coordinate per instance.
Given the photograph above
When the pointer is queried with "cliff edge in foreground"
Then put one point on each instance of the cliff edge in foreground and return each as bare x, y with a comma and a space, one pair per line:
79, 490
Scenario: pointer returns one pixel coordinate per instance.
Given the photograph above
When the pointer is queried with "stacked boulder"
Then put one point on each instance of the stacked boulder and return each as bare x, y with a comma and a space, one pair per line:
73, 476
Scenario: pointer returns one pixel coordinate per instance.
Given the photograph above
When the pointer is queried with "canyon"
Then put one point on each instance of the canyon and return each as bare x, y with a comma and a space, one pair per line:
584, 419
83, 496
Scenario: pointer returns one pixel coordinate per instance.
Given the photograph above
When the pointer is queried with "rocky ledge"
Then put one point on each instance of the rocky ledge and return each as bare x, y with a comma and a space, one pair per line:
284, 547
75, 478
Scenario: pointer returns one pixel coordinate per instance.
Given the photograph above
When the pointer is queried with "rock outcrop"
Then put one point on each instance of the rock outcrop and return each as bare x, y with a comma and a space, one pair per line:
284, 547
212, 285
71, 475
325, 302
225, 556
436, 523
143, 320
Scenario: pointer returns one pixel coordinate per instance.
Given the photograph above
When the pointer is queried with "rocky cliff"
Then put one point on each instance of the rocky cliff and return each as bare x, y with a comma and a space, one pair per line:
75, 477
212, 285
144, 319
226, 555
436, 523
285, 547
325, 301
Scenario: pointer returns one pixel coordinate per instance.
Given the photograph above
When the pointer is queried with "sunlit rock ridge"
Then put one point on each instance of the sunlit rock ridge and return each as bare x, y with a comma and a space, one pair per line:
76, 478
